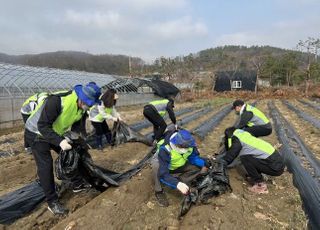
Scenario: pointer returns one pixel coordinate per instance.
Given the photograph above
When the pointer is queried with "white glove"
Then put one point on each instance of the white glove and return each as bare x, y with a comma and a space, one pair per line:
115, 119
183, 188
176, 126
64, 144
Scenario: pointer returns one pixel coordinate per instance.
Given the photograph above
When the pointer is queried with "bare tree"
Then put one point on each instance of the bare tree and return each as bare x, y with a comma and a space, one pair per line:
311, 45
258, 62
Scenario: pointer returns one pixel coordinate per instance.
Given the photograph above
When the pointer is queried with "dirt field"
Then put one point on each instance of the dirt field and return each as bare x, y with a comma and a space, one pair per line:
133, 206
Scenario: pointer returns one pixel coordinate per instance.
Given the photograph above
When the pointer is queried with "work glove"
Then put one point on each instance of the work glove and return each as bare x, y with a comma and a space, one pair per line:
64, 145
183, 188
176, 126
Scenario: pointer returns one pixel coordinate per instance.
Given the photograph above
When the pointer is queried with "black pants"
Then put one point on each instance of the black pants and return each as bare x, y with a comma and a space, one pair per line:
42, 155
101, 128
25, 118
259, 130
159, 125
273, 166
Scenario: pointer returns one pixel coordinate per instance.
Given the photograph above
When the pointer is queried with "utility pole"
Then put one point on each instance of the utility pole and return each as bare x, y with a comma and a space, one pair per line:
130, 66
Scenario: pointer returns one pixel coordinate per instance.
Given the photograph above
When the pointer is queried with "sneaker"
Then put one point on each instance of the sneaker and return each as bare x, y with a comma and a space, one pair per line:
57, 209
162, 199
28, 150
259, 188
82, 187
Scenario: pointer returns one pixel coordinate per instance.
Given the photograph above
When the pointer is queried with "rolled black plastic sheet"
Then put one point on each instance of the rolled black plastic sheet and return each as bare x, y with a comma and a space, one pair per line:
203, 129
314, 121
309, 104
308, 186
16, 204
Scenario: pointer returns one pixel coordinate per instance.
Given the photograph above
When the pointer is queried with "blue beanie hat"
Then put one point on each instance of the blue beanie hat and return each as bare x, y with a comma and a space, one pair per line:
183, 139
89, 94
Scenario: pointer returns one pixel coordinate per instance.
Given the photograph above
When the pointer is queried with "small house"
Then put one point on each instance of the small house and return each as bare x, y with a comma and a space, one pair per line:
235, 80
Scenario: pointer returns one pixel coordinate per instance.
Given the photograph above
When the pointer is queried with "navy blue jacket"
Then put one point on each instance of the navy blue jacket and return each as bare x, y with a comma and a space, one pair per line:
164, 158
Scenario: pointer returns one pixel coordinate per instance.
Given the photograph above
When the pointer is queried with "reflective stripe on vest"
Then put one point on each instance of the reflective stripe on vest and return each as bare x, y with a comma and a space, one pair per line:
252, 145
177, 160
229, 142
258, 117
30, 104
161, 106
96, 116
70, 113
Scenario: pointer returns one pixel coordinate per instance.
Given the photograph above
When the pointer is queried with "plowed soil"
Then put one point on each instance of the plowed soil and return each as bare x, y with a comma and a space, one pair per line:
133, 206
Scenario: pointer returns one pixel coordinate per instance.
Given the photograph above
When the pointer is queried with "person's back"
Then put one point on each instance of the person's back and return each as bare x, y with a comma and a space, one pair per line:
256, 155
155, 111
252, 119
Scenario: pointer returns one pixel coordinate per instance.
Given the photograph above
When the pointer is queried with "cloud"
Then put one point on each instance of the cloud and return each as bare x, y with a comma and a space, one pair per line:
96, 19
146, 28
181, 28
285, 34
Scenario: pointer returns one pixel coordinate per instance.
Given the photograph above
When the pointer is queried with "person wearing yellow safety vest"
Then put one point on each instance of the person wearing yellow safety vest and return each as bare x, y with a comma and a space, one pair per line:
252, 119
48, 123
26, 109
256, 155
155, 111
99, 113
176, 163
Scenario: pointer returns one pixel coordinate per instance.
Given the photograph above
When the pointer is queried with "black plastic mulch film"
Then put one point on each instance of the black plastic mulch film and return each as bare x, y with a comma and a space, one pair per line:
122, 133
16, 204
307, 184
314, 121
203, 129
312, 105
204, 187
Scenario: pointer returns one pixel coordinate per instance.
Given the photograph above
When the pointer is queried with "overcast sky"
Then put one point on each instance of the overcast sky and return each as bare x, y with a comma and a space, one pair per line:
153, 28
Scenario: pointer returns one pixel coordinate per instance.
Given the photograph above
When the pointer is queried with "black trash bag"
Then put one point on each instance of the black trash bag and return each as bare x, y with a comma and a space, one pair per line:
122, 133
187, 201
214, 183
78, 161
66, 165
16, 204
95, 174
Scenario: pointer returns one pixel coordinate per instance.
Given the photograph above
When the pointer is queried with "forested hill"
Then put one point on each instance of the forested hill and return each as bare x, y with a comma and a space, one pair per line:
240, 55
110, 64
219, 58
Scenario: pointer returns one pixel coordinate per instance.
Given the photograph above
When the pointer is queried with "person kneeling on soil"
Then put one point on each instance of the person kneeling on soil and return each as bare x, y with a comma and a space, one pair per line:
48, 123
176, 163
99, 113
252, 119
256, 155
